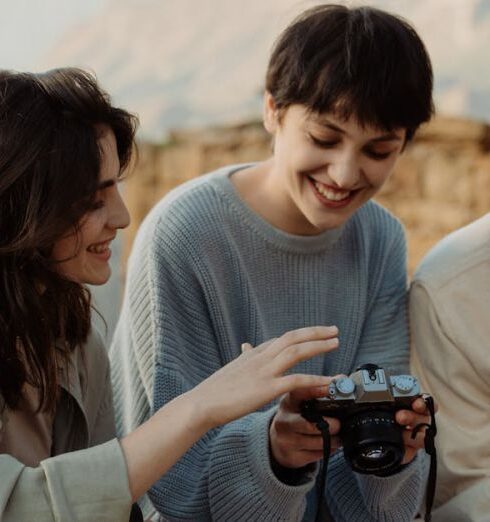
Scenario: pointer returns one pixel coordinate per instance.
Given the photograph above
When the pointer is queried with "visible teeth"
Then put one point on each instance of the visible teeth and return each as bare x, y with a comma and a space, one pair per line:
333, 195
98, 249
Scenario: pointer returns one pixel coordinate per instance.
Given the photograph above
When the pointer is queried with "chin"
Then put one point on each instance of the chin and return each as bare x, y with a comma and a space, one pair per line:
98, 280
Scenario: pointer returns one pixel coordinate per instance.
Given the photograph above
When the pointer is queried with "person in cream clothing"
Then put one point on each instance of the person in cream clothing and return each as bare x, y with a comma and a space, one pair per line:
450, 328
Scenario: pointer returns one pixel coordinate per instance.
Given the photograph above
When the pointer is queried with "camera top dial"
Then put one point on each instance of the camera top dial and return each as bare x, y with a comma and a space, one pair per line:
405, 384
345, 386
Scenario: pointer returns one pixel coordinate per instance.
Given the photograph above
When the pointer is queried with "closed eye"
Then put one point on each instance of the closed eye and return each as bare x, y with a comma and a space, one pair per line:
324, 144
379, 156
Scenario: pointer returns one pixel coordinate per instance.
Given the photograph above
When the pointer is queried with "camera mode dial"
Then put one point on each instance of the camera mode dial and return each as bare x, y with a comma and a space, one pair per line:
404, 383
345, 385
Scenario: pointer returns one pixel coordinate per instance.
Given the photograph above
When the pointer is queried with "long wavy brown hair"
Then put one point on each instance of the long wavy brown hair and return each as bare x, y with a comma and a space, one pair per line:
49, 171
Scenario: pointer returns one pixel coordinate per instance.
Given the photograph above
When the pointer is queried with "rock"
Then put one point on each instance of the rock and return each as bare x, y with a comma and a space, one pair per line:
442, 180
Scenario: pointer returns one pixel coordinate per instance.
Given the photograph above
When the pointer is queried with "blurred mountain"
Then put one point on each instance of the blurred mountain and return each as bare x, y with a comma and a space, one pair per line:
181, 63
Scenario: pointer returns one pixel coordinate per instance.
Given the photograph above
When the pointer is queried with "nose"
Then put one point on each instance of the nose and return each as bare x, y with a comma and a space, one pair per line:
345, 170
119, 215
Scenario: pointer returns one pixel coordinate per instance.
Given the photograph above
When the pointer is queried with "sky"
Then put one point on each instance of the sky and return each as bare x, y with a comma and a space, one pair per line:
29, 28
32, 31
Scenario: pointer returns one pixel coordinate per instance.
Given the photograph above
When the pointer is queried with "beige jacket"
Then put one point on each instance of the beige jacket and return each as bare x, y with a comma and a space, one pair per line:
450, 325
77, 484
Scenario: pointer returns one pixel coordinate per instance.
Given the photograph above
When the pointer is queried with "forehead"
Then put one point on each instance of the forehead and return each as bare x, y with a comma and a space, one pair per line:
349, 126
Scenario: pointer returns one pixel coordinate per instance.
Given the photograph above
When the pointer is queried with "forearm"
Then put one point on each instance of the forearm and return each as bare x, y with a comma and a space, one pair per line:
157, 445
85, 485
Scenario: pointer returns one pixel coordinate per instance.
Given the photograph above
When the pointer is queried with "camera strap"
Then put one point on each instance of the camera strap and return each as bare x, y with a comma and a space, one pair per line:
430, 449
322, 513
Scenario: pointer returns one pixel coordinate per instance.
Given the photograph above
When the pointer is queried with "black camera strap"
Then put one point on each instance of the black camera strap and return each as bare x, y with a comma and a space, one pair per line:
324, 427
430, 448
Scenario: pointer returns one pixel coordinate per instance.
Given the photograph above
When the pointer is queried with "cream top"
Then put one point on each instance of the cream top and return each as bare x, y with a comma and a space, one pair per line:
25, 434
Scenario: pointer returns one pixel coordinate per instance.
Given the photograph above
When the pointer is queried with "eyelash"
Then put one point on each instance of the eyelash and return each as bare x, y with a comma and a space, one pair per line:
378, 156
321, 143
97, 205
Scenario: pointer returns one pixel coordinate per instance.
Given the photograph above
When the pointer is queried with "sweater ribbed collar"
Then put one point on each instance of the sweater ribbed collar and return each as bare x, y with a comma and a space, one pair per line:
279, 238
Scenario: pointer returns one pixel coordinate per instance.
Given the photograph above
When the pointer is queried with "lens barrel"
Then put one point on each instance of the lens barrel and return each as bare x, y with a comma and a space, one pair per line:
373, 442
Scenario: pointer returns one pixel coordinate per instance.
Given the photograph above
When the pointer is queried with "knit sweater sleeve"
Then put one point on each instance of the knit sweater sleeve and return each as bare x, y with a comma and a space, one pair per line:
351, 496
226, 475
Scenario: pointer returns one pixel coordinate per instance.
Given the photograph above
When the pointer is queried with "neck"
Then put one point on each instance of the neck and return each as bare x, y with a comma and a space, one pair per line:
262, 188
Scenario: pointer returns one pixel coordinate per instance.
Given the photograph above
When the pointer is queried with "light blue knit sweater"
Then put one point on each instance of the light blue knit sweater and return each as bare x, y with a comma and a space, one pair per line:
207, 274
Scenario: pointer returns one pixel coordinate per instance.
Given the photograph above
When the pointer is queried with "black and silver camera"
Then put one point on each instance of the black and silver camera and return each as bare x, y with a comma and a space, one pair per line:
366, 403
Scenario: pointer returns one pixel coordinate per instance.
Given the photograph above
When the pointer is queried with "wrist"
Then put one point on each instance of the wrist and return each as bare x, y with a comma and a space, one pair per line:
198, 412
291, 476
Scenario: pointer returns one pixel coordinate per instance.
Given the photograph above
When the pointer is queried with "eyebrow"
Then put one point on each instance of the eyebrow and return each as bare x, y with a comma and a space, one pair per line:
105, 184
390, 136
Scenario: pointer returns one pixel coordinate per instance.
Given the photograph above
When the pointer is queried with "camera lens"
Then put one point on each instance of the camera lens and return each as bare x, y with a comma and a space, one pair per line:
373, 442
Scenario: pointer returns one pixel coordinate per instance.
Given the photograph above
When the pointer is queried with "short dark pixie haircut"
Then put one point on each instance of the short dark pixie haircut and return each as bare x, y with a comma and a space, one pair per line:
360, 62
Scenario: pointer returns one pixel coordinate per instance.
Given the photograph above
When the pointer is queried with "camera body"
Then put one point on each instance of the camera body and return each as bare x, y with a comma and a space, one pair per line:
366, 403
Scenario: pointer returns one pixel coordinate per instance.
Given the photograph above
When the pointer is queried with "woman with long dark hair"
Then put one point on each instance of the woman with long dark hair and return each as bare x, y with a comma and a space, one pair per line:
63, 148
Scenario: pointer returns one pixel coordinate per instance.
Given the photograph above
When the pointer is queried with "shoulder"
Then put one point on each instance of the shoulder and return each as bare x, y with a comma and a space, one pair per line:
189, 216
194, 199
459, 256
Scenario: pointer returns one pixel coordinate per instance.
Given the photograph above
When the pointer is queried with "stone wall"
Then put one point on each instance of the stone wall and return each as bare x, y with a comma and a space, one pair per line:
442, 181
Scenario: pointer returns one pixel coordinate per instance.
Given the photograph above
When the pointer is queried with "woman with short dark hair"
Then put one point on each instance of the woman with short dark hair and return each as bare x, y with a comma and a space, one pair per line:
63, 149
250, 250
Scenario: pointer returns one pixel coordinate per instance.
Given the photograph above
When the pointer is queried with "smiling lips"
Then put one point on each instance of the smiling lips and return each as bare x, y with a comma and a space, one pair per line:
102, 249
331, 197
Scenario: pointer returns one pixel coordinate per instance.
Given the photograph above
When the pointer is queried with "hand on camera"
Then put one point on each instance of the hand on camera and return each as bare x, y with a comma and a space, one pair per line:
419, 414
257, 377
294, 441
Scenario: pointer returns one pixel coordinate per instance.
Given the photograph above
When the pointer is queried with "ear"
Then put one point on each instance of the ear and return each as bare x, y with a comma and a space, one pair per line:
270, 113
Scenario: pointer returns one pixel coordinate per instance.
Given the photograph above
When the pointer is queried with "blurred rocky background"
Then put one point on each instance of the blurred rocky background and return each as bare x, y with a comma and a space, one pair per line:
442, 180
199, 64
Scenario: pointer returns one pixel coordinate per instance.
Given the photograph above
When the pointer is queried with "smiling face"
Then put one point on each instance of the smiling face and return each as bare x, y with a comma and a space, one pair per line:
324, 168
84, 257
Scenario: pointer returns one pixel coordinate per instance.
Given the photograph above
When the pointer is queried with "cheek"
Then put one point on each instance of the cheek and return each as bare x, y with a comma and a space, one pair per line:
379, 174
302, 159
65, 249
69, 255
91, 227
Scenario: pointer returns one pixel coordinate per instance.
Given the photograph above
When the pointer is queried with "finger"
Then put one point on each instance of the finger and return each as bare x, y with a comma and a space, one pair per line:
287, 423
410, 418
302, 335
246, 347
299, 393
417, 442
311, 427
301, 442
263, 346
293, 354
301, 426
419, 406
333, 425
335, 444
303, 458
